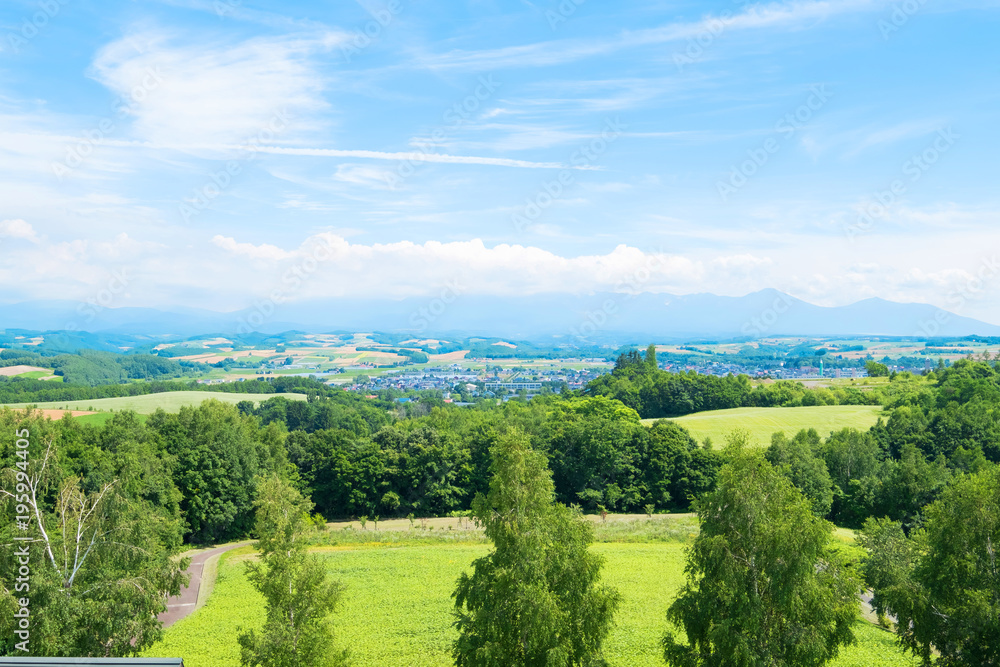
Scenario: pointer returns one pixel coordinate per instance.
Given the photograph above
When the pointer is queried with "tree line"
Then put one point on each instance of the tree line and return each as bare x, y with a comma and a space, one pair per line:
91, 368
359, 461
637, 382
30, 390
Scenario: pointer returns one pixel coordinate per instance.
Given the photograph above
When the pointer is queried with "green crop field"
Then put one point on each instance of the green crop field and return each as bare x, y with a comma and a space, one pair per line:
35, 375
762, 422
397, 607
99, 419
171, 401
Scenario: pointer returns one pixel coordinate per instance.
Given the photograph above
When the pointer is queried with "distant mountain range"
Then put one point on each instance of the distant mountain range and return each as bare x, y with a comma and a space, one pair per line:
581, 319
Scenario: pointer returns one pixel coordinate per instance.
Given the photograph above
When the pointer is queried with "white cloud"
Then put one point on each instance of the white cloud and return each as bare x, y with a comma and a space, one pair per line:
419, 156
853, 141
263, 251
79, 269
405, 268
786, 15
360, 174
331, 266
18, 229
192, 92
245, 149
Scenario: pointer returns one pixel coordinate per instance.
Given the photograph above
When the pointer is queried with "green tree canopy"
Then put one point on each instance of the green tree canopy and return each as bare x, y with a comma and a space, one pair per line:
797, 459
102, 538
876, 370
220, 453
889, 559
949, 603
535, 599
763, 586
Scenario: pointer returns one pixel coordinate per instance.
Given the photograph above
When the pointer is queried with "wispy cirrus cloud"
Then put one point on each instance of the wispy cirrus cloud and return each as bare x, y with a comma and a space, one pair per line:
857, 139
785, 15
393, 156
416, 156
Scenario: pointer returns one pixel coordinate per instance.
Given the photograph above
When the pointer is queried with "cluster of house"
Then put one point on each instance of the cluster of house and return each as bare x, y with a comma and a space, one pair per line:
779, 373
477, 382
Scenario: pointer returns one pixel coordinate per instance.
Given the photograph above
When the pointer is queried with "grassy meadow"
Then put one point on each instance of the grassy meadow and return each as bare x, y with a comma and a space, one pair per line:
147, 404
99, 419
762, 422
397, 604
36, 375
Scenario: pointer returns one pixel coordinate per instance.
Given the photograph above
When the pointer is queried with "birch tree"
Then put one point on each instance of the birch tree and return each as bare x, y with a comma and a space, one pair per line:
535, 600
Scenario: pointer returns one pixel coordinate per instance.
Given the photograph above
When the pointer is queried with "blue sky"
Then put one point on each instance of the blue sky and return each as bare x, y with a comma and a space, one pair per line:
204, 149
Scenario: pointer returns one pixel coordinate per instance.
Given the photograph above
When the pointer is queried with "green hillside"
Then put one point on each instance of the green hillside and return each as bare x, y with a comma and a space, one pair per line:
171, 401
762, 422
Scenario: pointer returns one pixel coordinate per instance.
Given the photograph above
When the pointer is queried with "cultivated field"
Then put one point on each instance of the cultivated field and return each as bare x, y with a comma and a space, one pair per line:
397, 606
59, 414
171, 401
98, 419
762, 422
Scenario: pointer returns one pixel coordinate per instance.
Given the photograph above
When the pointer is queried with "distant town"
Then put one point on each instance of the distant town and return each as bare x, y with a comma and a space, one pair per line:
458, 382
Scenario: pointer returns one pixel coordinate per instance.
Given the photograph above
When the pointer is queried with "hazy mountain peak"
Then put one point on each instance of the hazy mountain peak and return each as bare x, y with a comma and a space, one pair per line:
658, 316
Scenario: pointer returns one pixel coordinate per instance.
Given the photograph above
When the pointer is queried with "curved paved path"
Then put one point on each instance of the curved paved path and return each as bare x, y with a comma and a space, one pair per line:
182, 605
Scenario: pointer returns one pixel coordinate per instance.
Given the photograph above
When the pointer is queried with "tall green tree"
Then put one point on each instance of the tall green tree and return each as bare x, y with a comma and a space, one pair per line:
299, 593
949, 603
763, 585
875, 369
595, 449
651, 357
535, 599
675, 467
